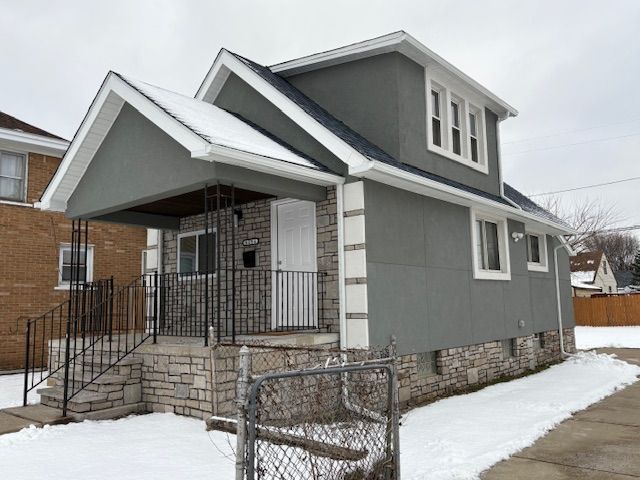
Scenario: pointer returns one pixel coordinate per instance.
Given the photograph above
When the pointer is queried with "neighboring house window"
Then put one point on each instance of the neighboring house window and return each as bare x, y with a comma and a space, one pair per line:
536, 244
490, 247
436, 128
604, 267
427, 364
457, 128
610, 289
192, 249
65, 268
13, 174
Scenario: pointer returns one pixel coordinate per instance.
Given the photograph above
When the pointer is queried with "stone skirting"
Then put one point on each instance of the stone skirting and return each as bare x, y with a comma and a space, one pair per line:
462, 368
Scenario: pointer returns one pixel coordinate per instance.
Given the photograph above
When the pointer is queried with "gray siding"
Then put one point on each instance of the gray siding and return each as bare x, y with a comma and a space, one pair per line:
239, 97
420, 278
138, 163
384, 99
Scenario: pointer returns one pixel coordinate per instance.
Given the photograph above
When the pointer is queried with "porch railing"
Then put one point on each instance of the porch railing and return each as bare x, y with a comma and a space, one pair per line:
240, 302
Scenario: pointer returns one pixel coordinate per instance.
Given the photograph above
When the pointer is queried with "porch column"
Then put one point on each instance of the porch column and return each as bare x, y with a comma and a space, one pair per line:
356, 303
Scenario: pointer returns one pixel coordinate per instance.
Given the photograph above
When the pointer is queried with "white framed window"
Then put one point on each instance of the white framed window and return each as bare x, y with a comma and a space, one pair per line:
456, 126
192, 252
490, 254
536, 244
64, 265
13, 176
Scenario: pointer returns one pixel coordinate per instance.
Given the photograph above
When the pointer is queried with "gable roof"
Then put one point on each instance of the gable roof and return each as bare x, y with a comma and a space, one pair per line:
12, 123
400, 42
586, 261
528, 205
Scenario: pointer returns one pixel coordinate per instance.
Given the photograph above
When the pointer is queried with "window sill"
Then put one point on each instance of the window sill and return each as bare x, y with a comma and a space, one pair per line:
62, 287
537, 267
482, 168
16, 204
193, 276
490, 275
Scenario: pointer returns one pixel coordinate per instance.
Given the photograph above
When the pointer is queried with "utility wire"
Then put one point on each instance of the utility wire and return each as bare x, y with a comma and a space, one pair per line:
606, 139
586, 186
566, 132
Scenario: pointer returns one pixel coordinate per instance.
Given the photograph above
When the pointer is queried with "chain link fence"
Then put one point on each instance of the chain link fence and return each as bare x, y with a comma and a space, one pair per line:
315, 413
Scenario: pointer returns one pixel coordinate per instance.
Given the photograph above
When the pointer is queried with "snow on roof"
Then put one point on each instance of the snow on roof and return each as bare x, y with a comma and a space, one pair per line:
218, 126
582, 277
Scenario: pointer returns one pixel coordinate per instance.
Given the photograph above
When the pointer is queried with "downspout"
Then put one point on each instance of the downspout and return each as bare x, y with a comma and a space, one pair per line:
563, 352
341, 272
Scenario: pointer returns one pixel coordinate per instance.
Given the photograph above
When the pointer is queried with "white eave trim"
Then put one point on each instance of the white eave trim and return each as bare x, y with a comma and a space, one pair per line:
390, 175
397, 41
33, 142
226, 62
281, 168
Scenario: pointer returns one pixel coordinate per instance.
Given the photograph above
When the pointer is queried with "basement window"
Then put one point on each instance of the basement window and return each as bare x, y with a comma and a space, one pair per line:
13, 175
538, 341
509, 348
427, 364
65, 267
192, 252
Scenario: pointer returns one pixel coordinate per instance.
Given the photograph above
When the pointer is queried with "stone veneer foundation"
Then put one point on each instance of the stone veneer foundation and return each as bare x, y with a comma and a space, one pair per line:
462, 368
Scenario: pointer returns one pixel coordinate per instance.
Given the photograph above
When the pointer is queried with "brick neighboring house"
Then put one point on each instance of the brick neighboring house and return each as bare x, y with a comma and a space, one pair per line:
33, 241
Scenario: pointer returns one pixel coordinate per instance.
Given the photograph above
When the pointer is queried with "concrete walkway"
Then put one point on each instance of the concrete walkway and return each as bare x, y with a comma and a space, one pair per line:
601, 442
17, 418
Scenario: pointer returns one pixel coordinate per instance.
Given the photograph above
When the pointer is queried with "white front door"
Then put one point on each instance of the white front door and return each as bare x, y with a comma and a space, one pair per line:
294, 283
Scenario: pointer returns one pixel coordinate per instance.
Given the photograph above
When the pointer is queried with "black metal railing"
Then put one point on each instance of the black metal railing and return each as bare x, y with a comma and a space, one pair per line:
42, 355
240, 302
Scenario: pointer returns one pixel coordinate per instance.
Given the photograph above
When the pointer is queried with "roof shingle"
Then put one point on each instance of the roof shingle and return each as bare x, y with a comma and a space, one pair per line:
12, 123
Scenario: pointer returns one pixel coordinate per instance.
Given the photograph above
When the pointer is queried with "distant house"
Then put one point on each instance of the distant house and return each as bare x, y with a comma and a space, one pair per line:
624, 278
591, 273
35, 269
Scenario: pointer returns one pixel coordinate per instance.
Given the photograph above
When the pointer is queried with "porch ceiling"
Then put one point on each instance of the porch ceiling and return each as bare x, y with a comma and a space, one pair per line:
192, 203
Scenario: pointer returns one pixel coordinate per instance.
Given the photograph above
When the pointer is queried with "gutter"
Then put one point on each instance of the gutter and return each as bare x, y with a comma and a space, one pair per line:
390, 175
563, 352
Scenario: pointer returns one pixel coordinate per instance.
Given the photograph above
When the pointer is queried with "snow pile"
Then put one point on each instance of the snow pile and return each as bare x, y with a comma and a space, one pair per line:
456, 438
11, 387
613, 337
459, 437
217, 125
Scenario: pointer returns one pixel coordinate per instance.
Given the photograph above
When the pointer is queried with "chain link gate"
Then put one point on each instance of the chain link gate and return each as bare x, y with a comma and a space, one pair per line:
335, 420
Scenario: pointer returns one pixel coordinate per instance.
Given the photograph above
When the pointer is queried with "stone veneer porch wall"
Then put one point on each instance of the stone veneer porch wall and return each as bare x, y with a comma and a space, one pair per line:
256, 223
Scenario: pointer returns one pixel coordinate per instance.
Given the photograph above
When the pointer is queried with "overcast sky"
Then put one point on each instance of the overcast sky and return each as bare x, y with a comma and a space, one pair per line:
565, 65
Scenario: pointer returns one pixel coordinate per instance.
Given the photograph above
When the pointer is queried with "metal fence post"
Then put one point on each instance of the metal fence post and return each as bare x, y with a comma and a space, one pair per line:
242, 388
395, 408
26, 363
155, 307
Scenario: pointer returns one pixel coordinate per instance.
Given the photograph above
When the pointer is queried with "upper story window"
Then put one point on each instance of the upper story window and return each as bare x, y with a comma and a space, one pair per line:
457, 126
536, 244
490, 247
13, 174
192, 252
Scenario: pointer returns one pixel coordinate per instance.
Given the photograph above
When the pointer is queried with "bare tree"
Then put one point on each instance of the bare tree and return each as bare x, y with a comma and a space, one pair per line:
619, 247
589, 217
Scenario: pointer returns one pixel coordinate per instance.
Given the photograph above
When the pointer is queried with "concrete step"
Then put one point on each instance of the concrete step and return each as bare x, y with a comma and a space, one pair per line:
57, 394
104, 379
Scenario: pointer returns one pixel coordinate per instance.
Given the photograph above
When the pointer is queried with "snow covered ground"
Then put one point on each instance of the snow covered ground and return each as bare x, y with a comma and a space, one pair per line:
599, 337
455, 438
11, 387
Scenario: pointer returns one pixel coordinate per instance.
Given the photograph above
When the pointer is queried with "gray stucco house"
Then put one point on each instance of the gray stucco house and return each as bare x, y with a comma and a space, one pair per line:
339, 198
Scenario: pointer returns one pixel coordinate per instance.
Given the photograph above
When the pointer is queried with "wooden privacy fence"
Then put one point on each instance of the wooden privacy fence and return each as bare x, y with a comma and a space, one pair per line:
609, 311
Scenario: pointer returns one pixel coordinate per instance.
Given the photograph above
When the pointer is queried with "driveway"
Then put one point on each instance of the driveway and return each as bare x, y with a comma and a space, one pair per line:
601, 442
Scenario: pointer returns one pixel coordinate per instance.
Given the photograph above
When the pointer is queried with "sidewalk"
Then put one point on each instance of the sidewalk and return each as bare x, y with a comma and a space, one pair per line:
599, 443
16, 418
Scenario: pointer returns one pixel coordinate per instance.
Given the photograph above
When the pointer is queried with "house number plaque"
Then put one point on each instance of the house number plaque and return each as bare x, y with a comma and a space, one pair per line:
250, 241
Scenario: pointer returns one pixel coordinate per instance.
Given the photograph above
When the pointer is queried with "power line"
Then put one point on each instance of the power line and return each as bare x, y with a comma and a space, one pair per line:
606, 139
586, 186
566, 132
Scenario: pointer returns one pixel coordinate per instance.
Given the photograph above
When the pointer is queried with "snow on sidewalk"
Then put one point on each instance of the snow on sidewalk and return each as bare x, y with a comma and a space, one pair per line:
11, 387
455, 438
602, 337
